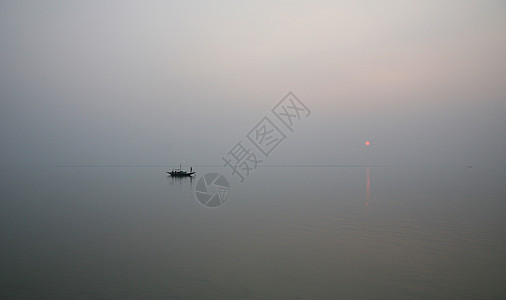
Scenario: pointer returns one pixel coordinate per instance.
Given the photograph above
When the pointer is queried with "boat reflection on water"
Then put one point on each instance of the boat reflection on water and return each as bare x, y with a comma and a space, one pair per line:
180, 181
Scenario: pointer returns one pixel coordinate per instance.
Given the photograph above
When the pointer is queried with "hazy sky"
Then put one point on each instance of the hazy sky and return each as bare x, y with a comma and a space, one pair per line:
163, 82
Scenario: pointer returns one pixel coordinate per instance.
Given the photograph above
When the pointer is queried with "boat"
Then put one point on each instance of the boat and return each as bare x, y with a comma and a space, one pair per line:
180, 173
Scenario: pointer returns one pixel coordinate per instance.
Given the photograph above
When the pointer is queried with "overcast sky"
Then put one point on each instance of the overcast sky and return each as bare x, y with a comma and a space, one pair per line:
163, 82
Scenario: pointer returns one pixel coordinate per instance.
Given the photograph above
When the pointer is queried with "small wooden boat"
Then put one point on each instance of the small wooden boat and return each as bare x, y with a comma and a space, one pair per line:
180, 173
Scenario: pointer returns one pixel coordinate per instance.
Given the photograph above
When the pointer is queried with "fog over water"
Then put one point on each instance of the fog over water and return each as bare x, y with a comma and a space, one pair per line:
390, 185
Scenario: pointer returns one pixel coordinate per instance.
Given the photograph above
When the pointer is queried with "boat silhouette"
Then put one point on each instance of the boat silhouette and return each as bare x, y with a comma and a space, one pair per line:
180, 173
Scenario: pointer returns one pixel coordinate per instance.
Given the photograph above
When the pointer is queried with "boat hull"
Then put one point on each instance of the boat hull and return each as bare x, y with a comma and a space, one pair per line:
181, 174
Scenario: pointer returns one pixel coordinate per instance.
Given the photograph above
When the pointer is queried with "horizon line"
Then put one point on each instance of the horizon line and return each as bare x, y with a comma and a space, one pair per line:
222, 166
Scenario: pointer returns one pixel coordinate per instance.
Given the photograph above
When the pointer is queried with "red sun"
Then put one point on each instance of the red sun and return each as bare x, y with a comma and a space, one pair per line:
367, 143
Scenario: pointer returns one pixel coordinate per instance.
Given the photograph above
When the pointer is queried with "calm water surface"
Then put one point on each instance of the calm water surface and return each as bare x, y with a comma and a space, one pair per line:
287, 232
